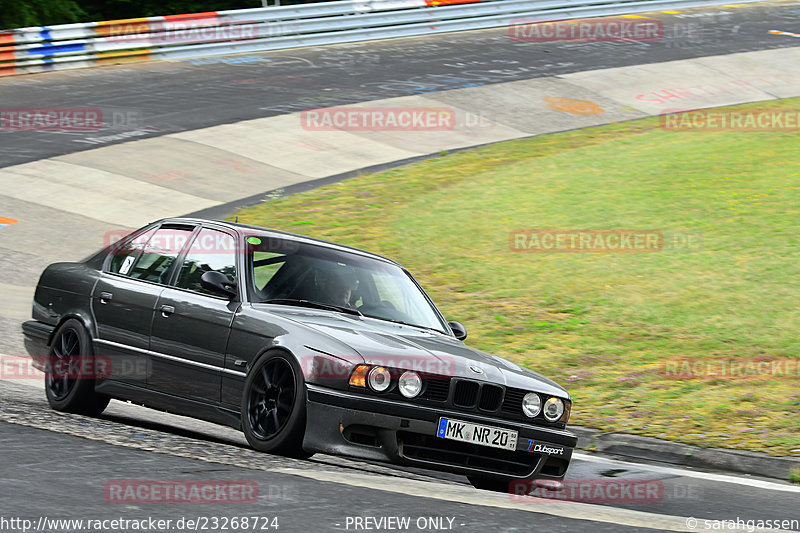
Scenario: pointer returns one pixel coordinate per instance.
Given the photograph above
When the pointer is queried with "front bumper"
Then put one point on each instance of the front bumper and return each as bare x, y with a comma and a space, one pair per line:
342, 423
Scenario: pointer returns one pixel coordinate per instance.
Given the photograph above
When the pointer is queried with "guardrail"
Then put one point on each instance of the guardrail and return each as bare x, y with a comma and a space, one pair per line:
38, 49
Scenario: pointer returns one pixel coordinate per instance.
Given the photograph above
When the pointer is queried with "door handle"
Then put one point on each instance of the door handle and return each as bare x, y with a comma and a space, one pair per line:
105, 297
167, 310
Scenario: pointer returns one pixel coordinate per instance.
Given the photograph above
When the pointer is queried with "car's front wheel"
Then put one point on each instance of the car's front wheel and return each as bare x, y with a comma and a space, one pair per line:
71, 372
274, 406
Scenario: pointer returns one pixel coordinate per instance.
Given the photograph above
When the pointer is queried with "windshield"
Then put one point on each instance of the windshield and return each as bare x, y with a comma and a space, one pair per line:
292, 273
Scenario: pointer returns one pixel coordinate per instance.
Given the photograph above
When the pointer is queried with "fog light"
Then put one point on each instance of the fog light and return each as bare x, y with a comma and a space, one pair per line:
379, 379
553, 409
359, 376
410, 384
531, 404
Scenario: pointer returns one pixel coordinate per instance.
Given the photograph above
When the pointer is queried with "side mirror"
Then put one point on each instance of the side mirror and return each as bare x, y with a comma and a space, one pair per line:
458, 330
216, 281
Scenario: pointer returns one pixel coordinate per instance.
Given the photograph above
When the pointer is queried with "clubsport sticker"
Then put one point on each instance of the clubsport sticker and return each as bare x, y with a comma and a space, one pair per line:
549, 449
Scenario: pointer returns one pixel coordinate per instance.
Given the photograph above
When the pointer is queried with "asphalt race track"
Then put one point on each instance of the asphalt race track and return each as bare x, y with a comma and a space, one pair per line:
166, 97
321, 493
61, 466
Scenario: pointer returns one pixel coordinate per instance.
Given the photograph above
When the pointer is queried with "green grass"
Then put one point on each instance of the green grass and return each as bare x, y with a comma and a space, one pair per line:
602, 324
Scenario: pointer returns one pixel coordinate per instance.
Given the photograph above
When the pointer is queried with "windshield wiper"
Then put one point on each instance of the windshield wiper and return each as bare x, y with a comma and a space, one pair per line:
315, 305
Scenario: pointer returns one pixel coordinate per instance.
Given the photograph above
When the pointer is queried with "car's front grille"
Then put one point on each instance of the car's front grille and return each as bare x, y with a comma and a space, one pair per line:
491, 396
470, 394
432, 449
437, 388
466, 394
513, 401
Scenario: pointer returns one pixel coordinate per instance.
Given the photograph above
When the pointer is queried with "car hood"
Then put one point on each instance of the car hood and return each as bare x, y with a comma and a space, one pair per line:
407, 347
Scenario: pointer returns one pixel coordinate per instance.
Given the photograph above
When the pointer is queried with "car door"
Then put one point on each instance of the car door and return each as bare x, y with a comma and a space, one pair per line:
191, 325
126, 294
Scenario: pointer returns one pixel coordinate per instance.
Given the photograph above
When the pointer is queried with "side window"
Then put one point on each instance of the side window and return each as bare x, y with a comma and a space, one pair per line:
159, 253
124, 254
211, 250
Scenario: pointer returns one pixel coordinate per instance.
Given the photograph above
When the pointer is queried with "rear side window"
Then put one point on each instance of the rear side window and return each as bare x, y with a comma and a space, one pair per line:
150, 256
211, 250
124, 255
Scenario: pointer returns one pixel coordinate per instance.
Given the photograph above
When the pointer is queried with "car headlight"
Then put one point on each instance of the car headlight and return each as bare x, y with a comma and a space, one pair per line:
531, 404
553, 409
379, 379
410, 384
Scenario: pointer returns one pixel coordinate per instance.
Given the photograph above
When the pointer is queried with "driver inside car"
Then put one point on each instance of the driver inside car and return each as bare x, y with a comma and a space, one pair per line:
338, 285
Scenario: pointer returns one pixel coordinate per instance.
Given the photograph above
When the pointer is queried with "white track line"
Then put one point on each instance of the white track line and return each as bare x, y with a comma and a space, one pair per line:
468, 495
756, 483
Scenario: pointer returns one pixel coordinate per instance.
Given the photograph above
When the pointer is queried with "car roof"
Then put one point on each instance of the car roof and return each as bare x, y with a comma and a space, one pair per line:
242, 229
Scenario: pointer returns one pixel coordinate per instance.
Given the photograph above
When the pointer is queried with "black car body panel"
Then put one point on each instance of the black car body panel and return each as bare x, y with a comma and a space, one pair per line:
176, 347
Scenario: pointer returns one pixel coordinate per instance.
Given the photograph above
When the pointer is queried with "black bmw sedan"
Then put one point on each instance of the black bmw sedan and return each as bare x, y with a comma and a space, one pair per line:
305, 345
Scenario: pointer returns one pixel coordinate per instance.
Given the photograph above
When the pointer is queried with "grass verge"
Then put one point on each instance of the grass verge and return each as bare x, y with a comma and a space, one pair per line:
606, 325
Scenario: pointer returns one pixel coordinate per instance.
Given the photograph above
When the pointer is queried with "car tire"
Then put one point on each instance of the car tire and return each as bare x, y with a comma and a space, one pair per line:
71, 344
274, 406
495, 484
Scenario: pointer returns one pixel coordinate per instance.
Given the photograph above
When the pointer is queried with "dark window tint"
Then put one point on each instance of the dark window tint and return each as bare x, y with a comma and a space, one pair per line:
211, 250
124, 254
292, 270
158, 255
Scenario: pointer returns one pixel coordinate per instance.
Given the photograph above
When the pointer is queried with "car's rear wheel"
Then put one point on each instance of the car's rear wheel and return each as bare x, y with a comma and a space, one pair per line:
69, 376
274, 406
496, 484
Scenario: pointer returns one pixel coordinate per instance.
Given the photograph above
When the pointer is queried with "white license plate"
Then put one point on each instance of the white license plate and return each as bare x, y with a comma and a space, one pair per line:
477, 434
